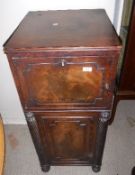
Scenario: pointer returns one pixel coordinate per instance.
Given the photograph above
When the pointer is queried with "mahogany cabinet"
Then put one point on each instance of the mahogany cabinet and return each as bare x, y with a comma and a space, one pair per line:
64, 65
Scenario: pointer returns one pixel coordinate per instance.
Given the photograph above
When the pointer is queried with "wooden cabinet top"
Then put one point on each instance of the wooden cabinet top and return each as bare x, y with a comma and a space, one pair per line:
64, 29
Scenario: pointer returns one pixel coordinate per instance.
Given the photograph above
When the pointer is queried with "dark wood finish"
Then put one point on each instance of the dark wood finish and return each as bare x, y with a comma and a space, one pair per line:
70, 28
133, 171
81, 82
64, 68
126, 85
34, 130
68, 138
100, 140
127, 79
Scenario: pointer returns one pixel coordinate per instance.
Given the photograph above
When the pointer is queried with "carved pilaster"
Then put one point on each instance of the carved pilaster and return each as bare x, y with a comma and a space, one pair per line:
100, 140
30, 117
32, 124
105, 116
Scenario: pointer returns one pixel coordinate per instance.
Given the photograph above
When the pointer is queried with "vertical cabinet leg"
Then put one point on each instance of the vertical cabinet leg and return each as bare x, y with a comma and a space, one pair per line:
100, 141
32, 124
45, 168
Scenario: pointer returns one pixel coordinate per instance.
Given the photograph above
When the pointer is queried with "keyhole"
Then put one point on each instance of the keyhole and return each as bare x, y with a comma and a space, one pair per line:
107, 86
62, 63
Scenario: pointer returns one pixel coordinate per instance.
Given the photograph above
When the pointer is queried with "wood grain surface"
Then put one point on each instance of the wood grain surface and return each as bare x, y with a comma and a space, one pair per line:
68, 28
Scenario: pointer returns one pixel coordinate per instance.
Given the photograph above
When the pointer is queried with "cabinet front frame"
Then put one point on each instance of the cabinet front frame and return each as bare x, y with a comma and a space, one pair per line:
47, 122
102, 103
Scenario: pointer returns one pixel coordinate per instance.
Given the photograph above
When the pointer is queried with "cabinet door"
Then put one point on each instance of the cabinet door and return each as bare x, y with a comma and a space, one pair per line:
70, 139
65, 82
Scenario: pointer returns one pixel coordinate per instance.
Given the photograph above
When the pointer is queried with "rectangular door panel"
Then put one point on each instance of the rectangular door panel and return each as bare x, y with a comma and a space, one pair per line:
68, 139
63, 83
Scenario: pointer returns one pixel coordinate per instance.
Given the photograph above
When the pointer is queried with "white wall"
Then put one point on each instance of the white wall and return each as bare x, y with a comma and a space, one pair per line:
11, 13
118, 14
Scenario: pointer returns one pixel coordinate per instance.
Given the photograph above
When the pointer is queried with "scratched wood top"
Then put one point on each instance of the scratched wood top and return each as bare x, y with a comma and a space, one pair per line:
64, 28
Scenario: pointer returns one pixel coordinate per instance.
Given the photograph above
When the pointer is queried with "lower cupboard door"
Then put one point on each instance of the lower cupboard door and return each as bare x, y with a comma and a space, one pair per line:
71, 140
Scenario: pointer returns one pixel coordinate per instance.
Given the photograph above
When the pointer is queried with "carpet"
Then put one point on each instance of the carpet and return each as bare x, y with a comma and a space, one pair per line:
119, 153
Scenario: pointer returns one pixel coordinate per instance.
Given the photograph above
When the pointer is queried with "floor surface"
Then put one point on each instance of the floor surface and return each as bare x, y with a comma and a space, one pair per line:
119, 153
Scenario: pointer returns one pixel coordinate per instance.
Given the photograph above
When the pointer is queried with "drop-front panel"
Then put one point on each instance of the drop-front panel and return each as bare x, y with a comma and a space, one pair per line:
82, 82
64, 66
